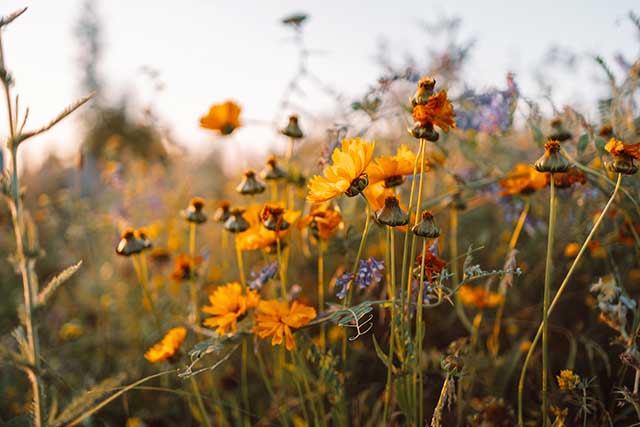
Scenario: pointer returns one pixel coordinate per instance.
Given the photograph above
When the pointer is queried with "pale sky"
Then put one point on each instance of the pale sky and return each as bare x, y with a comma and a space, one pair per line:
211, 50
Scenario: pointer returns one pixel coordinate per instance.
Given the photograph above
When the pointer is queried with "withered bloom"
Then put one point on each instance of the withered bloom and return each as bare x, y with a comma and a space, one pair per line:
194, 213
552, 160
250, 185
272, 217
624, 156
559, 132
141, 234
391, 214
236, 222
427, 227
272, 172
567, 179
129, 244
292, 130
221, 214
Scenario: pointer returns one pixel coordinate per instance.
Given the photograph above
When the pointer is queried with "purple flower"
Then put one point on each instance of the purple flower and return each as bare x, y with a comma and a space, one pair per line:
342, 283
369, 271
261, 278
488, 111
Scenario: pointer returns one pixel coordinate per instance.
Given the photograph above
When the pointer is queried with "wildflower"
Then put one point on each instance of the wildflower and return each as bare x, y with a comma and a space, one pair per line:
322, 221
272, 217
277, 319
250, 185
392, 169
369, 272
129, 244
347, 175
424, 91
571, 249
141, 234
376, 194
432, 264
236, 223
391, 214
342, 284
167, 347
478, 297
228, 306
426, 227
567, 380
70, 330
560, 414
292, 130
559, 133
624, 156
194, 212
489, 111
257, 236
272, 172
185, 267
222, 213
437, 111
223, 118
567, 179
258, 280
552, 160
523, 179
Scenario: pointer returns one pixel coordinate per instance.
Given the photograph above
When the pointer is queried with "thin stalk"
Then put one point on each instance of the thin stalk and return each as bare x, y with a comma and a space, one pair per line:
267, 383
201, 408
453, 247
392, 297
323, 339
405, 249
144, 284
419, 334
545, 302
240, 263
493, 343
244, 383
437, 413
281, 267
557, 295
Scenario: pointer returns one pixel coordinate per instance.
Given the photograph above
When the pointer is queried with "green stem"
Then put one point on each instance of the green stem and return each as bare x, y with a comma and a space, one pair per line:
240, 263
392, 297
437, 413
453, 242
545, 302
419, 334
323, 339
245, 384
144, 284
556, 298
201, 408
267, 383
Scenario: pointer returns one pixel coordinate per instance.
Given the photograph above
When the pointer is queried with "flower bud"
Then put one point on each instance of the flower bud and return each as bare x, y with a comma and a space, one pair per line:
292, 130
424, 131
236, 222
272, 171
623, 164
391, 214
552, 160
222, 213
250, 184
273, 219
129, 244
426, 227
194, 212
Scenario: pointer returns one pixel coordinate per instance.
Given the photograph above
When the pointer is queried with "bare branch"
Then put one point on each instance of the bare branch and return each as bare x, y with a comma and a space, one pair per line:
6, 20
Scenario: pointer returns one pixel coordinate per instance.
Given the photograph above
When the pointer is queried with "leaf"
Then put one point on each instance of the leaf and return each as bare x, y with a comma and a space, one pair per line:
55, 283
85, 400
383, 357
583, 142
600, 143
212, 345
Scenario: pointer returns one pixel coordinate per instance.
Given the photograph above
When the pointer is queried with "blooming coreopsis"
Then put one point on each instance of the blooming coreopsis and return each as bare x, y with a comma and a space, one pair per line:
392, 169
523, 179
223, 118
167, 347
229, 304
478, 297
277, 319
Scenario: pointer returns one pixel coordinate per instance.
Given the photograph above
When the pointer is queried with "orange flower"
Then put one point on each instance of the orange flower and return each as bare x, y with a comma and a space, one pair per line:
276, 319
323, 221
432, 265
223, 118
185, 269
568, 178
619, 148
392, 169
438, 110
167, 347
478, 297
523, 179
347, 175
228, 306
376, 194
257, 236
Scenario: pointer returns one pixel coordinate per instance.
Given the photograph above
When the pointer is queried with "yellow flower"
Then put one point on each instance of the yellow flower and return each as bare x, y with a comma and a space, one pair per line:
619, 148
567, 380
323, 221
276, 319
223, 118
376, 194
571, 249
167, 347
347, 175
228, 306
438, 111
257, 236
523, 179
392, 169
478, 297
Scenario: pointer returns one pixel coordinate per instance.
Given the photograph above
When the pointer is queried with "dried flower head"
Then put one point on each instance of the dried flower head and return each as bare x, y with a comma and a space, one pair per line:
272, 172
236, 223
292, 130
223, 118
278, 319
427, 227
272, 217
229, 305
552, 160
250, 185
195, 213
624, 156
438, 111
347, 175
424, 91
559, 133
167, 347
391, 214
129, 244
143, 236
223, 212
432, 264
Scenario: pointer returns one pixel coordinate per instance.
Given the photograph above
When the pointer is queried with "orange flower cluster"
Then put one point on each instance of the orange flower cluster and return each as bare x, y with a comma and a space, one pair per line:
168, 347
438, 111
619, 148
478, 297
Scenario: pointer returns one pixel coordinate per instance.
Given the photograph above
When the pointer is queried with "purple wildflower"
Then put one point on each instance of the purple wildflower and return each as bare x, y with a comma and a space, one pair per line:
342, 283
489, 111
261, 278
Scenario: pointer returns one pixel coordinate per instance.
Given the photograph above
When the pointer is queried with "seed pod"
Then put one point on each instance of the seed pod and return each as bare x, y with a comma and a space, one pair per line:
222, 213
552, 160
250, 184
194, 213
292, 130
623, 164
424, 131
141, 234
129, 244
273, 218
452, 364
357, 185
427, 227
424, 91
559, 133
391, 214
236, 222
272, 172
